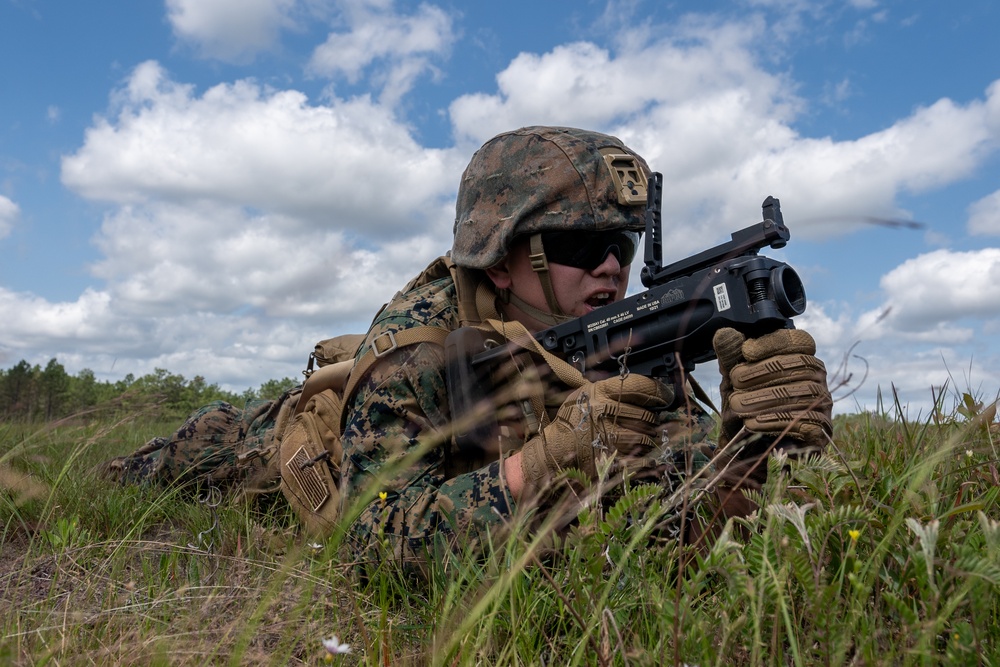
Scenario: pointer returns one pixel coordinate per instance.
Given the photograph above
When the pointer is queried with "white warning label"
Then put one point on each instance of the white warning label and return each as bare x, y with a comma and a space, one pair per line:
721, 297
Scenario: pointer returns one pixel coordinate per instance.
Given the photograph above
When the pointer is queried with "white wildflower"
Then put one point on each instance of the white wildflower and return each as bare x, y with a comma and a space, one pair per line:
334, 647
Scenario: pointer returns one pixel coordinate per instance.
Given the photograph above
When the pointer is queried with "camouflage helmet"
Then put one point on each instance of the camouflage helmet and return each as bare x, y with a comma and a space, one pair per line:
540, 179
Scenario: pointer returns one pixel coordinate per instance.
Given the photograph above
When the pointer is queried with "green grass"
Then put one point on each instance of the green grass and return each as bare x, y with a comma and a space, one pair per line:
884, 552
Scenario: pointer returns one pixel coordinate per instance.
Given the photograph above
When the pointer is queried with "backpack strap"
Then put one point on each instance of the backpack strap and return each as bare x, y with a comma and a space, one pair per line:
518, 334
386, 343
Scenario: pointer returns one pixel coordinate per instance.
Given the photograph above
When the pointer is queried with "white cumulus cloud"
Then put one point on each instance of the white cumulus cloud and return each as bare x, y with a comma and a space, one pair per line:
943, 286
984, 215
230, 30
348, 164
931, 330
398, 47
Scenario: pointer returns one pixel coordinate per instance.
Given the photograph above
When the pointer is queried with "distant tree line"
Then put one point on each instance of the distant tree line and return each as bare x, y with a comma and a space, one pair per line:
33, 393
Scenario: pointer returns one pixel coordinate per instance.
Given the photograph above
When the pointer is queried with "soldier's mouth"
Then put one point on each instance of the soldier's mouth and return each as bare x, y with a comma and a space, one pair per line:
599, 300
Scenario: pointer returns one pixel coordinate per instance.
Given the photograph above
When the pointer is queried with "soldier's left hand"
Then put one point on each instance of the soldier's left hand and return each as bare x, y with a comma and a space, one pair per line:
774, 385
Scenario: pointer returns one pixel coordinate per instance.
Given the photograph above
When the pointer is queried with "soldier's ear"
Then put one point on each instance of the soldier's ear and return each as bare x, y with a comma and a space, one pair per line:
499, 273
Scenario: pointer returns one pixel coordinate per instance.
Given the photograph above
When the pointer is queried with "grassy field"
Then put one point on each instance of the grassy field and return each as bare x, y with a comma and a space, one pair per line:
884, 552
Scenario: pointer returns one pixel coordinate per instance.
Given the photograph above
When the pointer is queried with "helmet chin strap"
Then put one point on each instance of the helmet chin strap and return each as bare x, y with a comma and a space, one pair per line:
540, 266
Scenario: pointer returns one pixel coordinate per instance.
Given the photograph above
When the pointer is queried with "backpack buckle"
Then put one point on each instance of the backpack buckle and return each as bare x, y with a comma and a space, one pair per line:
391, 348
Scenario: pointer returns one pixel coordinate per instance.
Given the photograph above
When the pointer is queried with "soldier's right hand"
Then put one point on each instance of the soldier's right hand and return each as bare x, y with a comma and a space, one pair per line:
613, 416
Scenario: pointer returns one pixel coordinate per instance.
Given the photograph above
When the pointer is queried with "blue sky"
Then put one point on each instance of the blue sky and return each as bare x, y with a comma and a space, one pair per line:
210, 186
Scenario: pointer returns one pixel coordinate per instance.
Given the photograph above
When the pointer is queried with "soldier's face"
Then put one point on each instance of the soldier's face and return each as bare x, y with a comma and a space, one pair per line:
577, 290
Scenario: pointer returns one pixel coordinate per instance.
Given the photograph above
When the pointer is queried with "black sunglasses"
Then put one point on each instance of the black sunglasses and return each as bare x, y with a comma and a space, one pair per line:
588, 250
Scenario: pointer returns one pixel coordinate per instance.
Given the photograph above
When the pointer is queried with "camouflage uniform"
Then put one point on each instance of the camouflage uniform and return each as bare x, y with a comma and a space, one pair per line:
219, 444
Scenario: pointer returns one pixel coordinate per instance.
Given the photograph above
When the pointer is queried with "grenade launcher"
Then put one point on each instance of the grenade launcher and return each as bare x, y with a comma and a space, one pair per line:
663, 332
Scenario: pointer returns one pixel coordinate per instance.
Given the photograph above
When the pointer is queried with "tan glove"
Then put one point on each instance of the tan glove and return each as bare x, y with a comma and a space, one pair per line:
616, 415
774, 385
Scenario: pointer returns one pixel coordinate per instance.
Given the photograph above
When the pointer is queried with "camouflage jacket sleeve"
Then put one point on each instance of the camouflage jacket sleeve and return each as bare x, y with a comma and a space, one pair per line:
396, 460
398, 469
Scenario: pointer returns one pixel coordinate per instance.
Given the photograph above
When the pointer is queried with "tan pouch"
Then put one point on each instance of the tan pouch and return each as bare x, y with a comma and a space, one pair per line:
309, 458
338, 348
